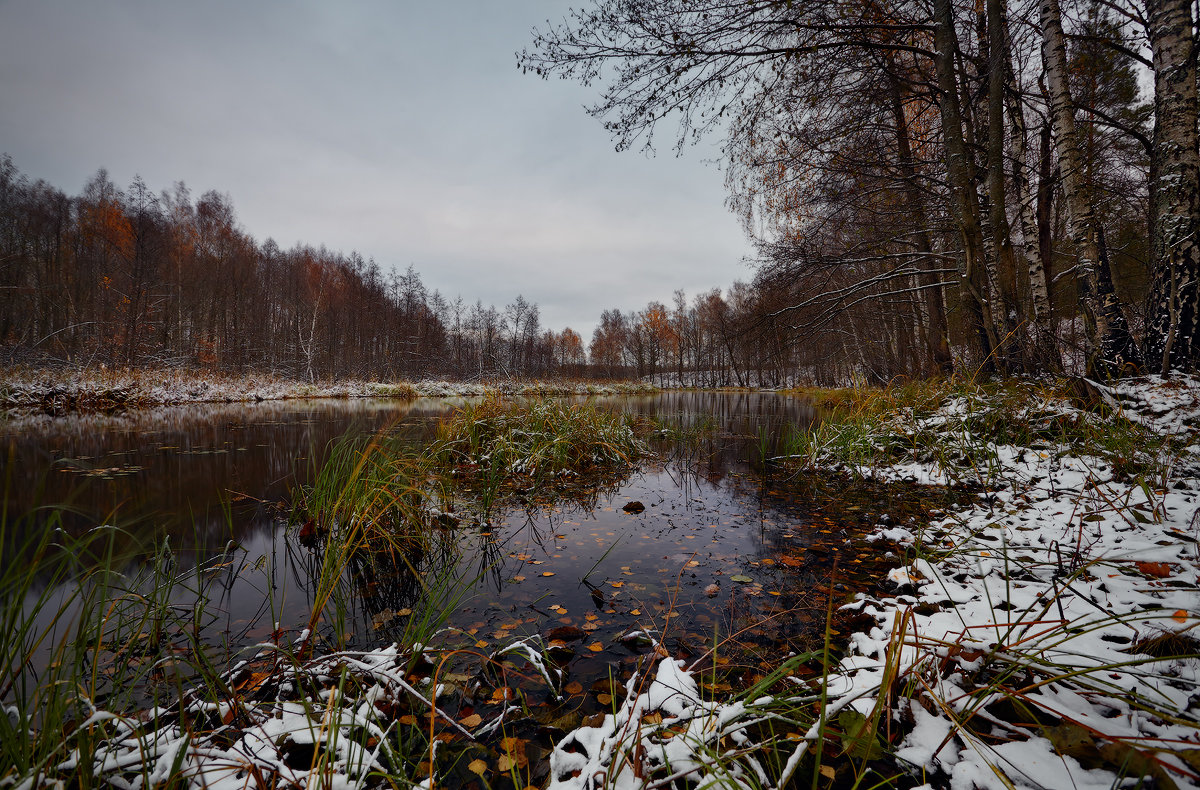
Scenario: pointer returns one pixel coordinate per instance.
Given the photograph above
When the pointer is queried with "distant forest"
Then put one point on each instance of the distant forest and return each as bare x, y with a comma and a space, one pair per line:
134, 278
131, 277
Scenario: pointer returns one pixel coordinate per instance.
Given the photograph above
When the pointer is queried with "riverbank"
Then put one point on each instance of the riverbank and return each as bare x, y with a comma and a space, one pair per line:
63, 391
1045, 635
1039, 632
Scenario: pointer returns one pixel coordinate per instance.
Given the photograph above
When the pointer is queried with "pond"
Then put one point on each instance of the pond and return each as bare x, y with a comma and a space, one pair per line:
702, 545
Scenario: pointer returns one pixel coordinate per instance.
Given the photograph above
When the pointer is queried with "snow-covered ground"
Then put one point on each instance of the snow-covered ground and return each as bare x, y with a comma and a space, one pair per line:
1061, 594
26, 389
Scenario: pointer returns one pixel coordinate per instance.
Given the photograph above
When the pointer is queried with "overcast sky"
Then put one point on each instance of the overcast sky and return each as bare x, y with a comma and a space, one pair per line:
398, 128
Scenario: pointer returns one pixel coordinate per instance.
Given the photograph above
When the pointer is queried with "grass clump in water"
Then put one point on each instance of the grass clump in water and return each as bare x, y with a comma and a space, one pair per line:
534, 441
383, 491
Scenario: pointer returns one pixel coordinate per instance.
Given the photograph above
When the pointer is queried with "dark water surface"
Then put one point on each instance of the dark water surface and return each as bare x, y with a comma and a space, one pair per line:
721, 547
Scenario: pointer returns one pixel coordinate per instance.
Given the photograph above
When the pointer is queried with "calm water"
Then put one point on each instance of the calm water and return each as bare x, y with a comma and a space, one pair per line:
719, 548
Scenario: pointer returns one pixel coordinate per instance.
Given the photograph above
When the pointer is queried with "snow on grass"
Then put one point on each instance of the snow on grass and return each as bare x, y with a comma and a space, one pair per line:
65, 390
322, 724
1052, 623
665, 731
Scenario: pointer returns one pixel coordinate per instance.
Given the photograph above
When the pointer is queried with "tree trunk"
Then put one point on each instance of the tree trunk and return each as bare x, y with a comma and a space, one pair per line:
964, 201
937, 338
1044, 349
1005, 258
1111, 346
1173, 334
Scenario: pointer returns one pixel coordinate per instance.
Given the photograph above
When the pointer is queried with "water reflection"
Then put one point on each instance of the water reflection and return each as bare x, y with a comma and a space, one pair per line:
200, 474
720, 547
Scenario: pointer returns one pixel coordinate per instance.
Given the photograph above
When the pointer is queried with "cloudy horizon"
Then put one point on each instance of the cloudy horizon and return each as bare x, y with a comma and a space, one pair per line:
400, 131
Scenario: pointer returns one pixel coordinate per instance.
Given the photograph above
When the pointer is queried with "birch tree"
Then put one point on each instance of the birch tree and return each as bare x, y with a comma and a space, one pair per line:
1173, 337
1111, 344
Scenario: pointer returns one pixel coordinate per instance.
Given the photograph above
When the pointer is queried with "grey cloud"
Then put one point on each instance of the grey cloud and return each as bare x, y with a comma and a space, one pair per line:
400, 129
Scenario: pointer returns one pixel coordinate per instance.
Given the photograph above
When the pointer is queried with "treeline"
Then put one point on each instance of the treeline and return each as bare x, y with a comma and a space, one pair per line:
934, 186
137, 278
714, 340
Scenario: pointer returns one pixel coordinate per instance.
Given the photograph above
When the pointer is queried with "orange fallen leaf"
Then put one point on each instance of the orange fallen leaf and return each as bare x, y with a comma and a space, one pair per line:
604, 699
477, 767
595, 647
547, 573
574, 687
1158, 570
617, 584
472, 721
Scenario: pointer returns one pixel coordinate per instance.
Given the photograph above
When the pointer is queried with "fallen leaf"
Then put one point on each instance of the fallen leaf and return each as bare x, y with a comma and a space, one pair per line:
547, 573
1158, 570
514, 754
740, 578
477, 767
828, 771
617, 584
518, 578
472, 721
574, 687
595, 647
604, 699
566, 632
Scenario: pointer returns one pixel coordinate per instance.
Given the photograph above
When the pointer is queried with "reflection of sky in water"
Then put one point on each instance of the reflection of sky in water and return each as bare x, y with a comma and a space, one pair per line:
707, 519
